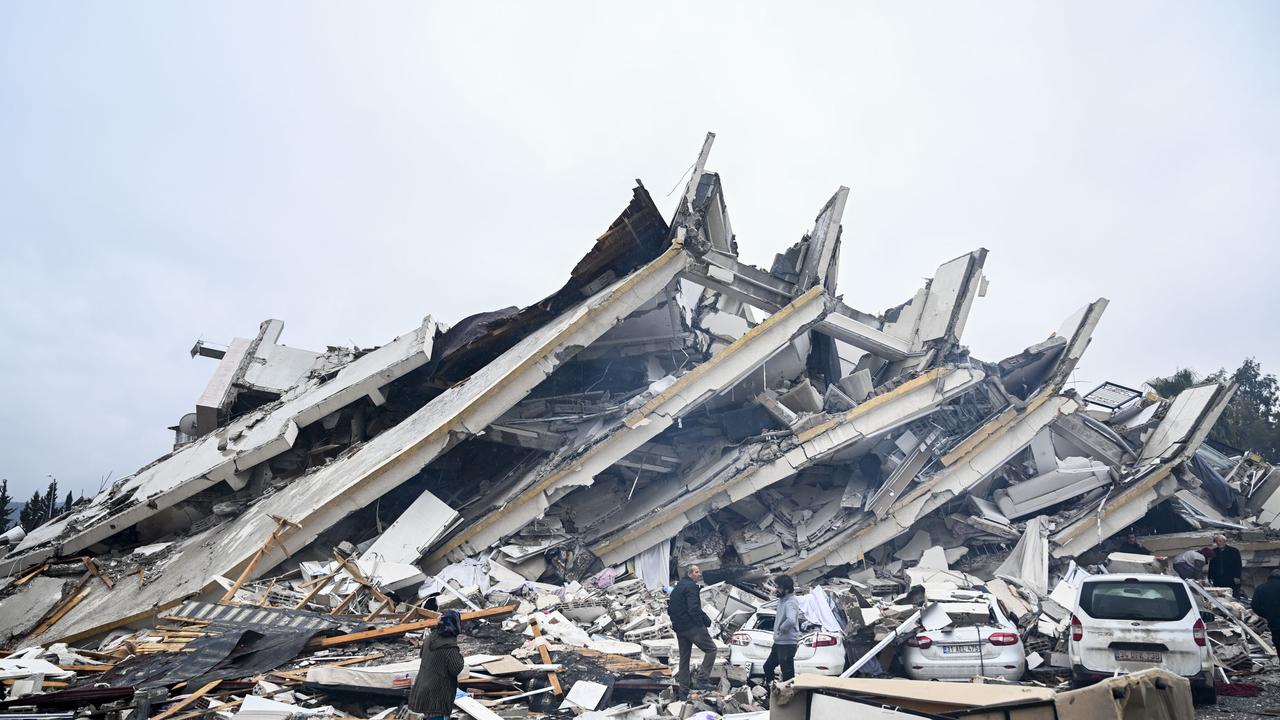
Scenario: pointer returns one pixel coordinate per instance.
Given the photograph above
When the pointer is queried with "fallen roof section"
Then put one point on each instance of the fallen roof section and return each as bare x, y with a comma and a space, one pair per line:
1173, 442
317, 501
736, 477
226, 454
640, 426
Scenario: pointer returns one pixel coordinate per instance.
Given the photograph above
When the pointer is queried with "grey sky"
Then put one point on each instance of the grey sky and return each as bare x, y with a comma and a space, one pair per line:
170, 171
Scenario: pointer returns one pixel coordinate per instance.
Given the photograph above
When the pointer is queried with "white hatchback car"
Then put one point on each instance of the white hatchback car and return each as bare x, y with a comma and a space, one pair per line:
989, 647
1126, 623
819, 652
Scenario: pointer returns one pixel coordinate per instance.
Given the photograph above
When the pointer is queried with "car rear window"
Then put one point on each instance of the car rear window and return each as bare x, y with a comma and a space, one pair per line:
1130, 600
763, 622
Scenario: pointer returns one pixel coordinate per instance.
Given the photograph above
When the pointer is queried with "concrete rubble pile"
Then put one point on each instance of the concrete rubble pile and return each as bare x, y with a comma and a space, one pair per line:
546, 470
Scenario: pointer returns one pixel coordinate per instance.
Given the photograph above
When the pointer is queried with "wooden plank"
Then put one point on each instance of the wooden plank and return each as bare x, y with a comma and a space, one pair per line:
62, 610
266, 595
546, 658
187, 700
377, 612
315, 581
86, 668
46, 683
93, 568
420, 612
31, 575
320, 584
347, 601
354, 571
281, 525
402, 628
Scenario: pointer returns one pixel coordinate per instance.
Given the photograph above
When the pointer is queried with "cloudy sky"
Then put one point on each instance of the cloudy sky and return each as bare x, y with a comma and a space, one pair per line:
174, 171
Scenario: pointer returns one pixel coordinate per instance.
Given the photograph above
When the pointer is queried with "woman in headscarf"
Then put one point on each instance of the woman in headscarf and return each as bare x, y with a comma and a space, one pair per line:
437, 682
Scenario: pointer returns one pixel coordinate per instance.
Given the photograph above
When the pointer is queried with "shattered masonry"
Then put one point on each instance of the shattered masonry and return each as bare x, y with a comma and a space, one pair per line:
669, 404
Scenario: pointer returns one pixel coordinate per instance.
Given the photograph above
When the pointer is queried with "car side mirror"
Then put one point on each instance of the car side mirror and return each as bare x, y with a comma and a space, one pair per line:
1207, 616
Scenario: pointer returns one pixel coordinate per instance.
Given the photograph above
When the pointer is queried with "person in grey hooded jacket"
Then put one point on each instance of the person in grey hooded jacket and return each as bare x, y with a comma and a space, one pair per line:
786, 630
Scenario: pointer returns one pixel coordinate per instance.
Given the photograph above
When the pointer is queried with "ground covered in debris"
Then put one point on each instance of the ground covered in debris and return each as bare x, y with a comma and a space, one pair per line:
1266, 703
551, 471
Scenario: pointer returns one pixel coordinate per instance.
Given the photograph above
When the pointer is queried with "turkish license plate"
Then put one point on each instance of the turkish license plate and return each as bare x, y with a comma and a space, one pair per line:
961, 649
1150, 656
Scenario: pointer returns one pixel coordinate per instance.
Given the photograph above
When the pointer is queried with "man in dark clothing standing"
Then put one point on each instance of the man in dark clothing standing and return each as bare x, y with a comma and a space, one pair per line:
1225, 567
690, 624
1266, 602
437, 682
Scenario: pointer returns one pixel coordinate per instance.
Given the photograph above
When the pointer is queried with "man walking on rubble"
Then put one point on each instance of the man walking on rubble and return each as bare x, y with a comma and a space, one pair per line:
786, 630
690, 624
442, 665
1225, 567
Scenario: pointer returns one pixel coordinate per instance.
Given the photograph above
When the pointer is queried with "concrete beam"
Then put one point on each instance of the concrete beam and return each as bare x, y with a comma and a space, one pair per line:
864, 337
1001, 442
721, 371
661, 518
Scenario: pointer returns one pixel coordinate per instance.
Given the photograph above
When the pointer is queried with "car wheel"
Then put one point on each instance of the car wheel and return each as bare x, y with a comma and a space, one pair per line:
1078, 681
1205, 694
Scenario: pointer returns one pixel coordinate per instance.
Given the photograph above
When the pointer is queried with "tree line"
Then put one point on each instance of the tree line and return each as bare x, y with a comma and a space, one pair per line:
41, 508
1252, 418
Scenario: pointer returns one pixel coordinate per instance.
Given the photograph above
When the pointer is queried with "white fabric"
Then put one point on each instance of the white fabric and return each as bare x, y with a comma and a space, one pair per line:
819, 610
468, 573
1029, 561
654, 566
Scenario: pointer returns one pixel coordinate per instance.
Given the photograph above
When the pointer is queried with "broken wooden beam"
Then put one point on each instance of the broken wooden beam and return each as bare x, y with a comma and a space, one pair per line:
545, 654
187, 700
403, 628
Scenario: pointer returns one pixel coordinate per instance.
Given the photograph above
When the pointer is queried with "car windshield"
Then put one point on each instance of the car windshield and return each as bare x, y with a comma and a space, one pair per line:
1133, 600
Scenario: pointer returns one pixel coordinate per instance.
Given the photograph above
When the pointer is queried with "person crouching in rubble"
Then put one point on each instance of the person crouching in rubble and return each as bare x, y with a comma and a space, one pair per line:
786, 630
442, 666
1189, 565
690, 624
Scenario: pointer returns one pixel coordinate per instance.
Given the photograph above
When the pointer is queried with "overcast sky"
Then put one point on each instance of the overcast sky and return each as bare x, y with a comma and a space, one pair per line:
173, 171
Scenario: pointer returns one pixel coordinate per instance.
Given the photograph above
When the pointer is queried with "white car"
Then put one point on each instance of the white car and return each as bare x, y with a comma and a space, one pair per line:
819, 652
990, 646
1126, 623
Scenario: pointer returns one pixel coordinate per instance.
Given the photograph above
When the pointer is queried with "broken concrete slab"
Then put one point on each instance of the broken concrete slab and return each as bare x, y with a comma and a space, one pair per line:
224, 455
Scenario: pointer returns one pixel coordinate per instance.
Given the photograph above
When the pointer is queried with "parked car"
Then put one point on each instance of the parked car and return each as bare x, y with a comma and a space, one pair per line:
977, 643
1126, 623
819, 652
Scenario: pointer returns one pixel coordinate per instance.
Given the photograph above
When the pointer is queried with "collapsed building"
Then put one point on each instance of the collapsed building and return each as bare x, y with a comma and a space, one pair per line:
669, 404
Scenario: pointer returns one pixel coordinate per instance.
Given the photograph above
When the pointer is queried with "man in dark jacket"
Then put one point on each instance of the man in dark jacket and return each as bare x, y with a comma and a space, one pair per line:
1226, 568
437, 682
1266, 602
690, 624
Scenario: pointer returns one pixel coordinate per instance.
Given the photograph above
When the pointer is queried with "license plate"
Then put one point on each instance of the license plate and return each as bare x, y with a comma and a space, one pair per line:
961, 649
1139, 656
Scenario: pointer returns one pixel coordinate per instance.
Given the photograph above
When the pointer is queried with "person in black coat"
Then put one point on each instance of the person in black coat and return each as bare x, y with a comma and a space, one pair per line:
437, 682
690, 624
1225, 568
1266, 602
